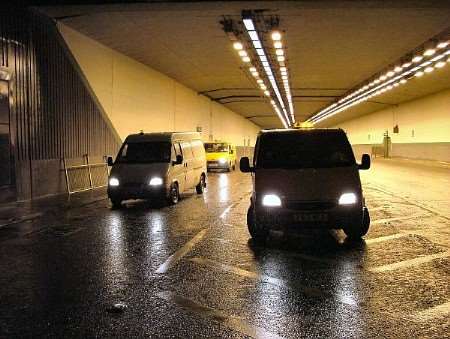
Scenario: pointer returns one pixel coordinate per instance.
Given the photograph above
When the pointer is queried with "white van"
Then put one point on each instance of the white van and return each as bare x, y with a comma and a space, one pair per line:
157, 166
305, 178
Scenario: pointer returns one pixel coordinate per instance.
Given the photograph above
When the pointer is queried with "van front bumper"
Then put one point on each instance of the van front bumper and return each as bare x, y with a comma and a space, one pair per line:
275, 218
217, 165
137, 191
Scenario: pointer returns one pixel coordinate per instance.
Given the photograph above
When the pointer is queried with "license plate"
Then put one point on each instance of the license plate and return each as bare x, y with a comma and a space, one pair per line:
310, 217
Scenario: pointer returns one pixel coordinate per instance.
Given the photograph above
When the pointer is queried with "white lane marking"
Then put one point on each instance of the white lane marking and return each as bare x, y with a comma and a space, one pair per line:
174, 258
411, 262
232, 322
433, 312
387, 238
256, 276
22, 219
225, 212
411, 202
381, 221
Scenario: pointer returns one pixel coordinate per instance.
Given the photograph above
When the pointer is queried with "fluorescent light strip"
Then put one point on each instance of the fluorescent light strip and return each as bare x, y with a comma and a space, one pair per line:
248, 23
326, 113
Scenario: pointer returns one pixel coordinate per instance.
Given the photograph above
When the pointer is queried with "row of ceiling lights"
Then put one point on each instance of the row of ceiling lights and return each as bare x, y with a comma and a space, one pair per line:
262, 62
435, 57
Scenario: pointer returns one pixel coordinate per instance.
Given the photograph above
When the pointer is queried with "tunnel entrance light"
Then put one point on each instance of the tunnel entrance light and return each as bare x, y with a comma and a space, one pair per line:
416, 67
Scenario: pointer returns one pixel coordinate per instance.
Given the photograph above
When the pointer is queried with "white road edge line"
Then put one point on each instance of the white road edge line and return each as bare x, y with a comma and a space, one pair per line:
433, 312
387, 237
380, 221
408, 263
174, 258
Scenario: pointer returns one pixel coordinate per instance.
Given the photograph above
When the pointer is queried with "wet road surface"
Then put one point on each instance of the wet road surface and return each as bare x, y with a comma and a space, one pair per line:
190, 271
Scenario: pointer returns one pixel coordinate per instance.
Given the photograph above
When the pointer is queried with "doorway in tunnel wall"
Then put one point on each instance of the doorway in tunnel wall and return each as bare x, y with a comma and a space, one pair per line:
7, 178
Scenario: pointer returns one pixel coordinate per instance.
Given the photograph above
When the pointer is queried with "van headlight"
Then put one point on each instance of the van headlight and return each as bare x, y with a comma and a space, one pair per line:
271, 200
222, 161
156, 181
347, 199
113, 182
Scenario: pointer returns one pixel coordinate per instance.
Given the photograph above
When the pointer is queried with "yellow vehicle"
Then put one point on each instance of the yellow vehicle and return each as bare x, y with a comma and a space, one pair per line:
220, 155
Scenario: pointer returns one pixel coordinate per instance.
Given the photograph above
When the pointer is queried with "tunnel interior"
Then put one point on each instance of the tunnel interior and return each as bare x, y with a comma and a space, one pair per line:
80, 81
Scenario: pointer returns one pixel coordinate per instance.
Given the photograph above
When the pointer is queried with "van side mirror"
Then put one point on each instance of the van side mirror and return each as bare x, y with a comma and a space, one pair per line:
179, 160
365, 162
244, 165
231, 151
110, 161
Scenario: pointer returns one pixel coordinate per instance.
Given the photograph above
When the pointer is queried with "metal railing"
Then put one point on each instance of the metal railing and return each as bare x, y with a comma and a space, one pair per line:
85, 176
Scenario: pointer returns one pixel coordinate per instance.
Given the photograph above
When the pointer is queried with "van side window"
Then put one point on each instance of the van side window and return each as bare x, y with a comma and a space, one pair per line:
124, 150
176, 150
197, 148
187, 150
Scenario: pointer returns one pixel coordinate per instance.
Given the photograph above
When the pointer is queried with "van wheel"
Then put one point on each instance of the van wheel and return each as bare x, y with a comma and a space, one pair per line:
234, 166
200, 188
116, 203
356, 232
259, 234
174, 195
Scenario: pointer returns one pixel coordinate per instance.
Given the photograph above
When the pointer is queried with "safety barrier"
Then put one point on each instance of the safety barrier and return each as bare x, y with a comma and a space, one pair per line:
85, 176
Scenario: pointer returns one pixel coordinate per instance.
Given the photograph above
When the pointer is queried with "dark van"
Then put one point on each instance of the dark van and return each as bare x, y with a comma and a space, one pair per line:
305, 178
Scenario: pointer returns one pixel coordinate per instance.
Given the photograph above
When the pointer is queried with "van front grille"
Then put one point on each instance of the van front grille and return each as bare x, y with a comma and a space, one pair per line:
309, 205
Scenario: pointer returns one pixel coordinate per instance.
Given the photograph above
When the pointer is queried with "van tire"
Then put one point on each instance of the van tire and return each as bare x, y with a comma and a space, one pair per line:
200, 188
174, 194
357, 232
116, 203
259, 234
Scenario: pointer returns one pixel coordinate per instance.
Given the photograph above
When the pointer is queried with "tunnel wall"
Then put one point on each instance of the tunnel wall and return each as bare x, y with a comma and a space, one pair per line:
137, 97
423, 128
52, 113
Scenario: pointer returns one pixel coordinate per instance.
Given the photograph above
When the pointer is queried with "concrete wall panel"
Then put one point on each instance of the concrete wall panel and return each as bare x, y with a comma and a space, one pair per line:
423, 128
137, 97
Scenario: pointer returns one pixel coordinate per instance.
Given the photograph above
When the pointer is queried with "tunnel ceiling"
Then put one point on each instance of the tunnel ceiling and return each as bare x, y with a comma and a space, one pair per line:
331, 47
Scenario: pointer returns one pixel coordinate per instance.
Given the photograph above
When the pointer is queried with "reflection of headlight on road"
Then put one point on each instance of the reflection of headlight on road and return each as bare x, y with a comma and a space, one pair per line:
347, 199
113, 182
155, 181
222, 161
271, 200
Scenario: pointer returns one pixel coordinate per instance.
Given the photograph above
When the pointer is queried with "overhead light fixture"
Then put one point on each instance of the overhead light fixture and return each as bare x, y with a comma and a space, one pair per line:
242, 53
388, 81
253, 35
278, 44
238, 46
442, 44
246, 59
276, 36
429, 52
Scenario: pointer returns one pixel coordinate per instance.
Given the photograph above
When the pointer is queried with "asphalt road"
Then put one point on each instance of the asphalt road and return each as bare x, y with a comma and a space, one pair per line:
190, 271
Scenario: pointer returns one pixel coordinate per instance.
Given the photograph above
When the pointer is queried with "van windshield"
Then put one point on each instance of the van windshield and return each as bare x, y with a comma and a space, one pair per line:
144, 152
304, 150
216, 147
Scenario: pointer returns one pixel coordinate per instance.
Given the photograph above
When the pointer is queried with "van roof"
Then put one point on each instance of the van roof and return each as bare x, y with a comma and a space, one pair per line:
163, 136
303, 130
